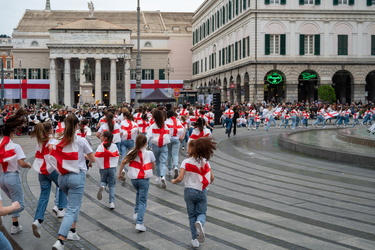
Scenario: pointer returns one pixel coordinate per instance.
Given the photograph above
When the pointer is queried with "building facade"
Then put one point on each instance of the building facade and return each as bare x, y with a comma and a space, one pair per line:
59, 45
283, 50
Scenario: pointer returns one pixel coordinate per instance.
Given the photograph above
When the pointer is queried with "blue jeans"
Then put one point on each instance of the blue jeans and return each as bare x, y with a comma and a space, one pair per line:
73, 185
45, 182
319, 119
228, 122
125, 147
250, 122
212, 124
161, 155
141, 185
173, 148
196, 205
4, 243
10, 183
108, 177
271, 120
294, 121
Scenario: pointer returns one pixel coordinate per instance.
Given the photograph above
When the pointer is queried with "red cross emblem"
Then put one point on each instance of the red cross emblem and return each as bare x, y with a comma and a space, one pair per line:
40, 155
60, 156
5, 153
161, 132
143, 126
174, 126
139, 165
106, 154
128, 129
201, 134
201, 171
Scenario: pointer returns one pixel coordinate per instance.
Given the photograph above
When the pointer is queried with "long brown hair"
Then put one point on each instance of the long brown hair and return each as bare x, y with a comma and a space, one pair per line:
14, 122
202, 148
158, 116
41, 132
111, 127
67, 136
109, 140
200, 123
140, 142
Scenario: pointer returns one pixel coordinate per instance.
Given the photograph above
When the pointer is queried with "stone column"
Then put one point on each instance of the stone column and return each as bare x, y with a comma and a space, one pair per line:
98, 79
67, 84
291, 92
112, 84
81, 68
127, 81
53, 91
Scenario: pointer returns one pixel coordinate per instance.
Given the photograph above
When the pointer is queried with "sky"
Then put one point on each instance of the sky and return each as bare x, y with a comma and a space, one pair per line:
11, 11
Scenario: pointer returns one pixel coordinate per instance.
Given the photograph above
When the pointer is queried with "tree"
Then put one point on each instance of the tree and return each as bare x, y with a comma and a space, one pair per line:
327, 93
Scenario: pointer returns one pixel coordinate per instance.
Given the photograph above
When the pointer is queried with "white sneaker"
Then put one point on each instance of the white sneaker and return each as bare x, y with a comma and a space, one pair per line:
183, 148
175, 173
163, 182
58, 246
123, 174
140, 227
157, 180
135, 216
200, 232
195, 243
55, 209
100, 193
112, 205
60, 213
16, 230
36, 228
73, 236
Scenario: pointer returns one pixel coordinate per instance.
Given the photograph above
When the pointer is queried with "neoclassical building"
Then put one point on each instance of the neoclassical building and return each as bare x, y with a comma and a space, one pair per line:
56, 45
283, 50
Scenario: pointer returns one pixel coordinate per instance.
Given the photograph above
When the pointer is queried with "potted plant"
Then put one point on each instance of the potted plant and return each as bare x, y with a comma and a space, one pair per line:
327, 93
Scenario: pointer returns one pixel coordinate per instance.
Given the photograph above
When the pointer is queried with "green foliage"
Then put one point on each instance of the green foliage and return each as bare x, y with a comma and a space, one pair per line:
327, 93
56, 106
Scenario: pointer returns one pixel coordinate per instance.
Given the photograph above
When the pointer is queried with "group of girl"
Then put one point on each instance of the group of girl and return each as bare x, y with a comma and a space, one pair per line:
63, 159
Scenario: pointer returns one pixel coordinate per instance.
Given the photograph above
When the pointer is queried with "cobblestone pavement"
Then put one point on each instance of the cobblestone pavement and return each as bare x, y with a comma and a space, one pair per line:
263, 198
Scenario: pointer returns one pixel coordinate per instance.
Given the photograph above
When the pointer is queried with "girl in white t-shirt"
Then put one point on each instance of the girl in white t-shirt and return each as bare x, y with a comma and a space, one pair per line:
141, 163
196, 173
12, 158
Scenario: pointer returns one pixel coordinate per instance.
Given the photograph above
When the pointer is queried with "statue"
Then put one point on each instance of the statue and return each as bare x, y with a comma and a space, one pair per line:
91, 8
87, 72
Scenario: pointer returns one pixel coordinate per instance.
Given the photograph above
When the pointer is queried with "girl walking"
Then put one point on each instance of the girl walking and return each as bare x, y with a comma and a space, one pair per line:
12, 158
107, 156
46, 174
196, 173
68, 157
141, 163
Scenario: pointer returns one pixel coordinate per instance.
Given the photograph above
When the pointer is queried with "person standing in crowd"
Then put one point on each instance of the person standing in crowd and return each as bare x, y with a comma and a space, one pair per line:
141, 163
196, 173
210, 119
159, 136
235, 117
320, 118
228, 120
12, 158
129, 132
177, 133
107, 159
84, 131
72, 176
46, 174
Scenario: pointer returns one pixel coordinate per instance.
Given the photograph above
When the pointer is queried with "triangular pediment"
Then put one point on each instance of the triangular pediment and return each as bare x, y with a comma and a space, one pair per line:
90, 24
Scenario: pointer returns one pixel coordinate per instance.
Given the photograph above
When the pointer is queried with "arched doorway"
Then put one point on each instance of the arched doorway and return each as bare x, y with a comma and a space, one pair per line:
246, 87
342, 83
238, 89
370, 86
274, 84
308, 86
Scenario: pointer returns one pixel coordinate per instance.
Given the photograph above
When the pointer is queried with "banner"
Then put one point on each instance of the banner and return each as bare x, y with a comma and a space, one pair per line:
148, 86
26, 89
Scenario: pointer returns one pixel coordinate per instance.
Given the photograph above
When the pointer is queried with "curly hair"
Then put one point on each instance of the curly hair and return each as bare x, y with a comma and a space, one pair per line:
202, 148
14, 122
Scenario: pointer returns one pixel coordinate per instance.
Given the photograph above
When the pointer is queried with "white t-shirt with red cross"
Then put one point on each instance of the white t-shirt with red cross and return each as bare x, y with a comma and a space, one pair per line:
197, 174
115, 132
129, 130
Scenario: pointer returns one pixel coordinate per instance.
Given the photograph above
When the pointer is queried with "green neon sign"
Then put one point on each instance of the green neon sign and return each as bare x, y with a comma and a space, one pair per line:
308, 76
274, 78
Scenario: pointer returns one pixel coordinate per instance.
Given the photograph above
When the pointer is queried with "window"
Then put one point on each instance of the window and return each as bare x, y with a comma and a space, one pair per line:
147, 74
148, 44
9, 64
161, 74
308, 1
119, 75
274, 1
347, 2
45, 73
77, 74
309, 45
133, 74
370, 2
342, 45
275, 44
316, 2
373, 45
19, 73
105, 76
34, 73
34, 43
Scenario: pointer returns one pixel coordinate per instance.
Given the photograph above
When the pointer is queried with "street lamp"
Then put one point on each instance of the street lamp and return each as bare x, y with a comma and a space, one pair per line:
2, 85
138, 68
20, 76
169, 70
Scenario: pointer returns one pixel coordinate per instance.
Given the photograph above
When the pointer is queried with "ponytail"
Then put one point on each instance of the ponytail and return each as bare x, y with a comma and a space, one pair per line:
111, 127
140, 142
109, 140
41, 132
67, 136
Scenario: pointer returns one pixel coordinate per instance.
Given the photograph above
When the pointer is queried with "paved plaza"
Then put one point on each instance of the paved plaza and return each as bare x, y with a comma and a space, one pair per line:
263, 197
